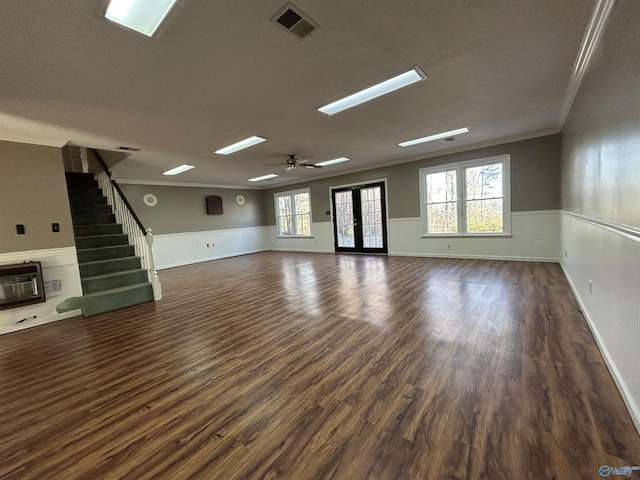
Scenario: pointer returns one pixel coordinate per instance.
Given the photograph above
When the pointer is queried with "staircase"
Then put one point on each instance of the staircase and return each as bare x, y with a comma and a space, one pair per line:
111, 274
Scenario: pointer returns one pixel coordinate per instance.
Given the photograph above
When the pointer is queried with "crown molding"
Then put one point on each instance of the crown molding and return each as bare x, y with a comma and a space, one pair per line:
590, 42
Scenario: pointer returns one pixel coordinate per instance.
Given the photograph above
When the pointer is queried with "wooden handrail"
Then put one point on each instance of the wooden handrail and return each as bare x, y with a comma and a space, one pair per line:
102, 162
120, 192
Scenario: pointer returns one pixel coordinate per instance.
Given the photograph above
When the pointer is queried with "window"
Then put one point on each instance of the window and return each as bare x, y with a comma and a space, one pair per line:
293, 213
467, 198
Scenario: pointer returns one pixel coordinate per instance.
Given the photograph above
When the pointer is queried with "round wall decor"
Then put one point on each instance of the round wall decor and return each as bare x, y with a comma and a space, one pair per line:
150, 200
240, 199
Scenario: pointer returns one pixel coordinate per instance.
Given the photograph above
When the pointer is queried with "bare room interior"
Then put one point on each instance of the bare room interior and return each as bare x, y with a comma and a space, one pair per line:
319, 240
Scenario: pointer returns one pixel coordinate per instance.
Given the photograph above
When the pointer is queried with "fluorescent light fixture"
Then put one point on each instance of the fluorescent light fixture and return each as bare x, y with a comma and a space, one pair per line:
331, 162
143, 16
394, 83
264, 177
177, 170
437, 136
242, 144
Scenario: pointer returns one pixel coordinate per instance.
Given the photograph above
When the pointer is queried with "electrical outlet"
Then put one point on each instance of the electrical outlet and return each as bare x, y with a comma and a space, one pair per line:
565, 254
590, 287
448, 246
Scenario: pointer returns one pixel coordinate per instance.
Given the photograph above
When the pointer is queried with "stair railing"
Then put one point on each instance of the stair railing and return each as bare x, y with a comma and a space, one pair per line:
141, 237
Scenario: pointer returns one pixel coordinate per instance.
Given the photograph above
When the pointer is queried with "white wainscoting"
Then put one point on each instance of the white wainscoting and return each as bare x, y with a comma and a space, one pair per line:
57, 264
321, 240
608, 256
177, 249
535, 236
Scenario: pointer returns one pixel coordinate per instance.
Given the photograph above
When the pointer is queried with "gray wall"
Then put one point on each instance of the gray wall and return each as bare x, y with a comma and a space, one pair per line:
33, 192
183, 209
601, 138
535, 180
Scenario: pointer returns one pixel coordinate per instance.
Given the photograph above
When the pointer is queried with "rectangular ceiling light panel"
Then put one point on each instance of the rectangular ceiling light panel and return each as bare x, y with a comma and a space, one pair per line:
143, 16
264, 177
382, 88
177, 170
437, 136
331, 162
241, 145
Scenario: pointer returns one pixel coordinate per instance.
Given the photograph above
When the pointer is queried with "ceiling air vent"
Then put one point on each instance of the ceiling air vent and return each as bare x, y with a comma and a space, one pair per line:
294, 21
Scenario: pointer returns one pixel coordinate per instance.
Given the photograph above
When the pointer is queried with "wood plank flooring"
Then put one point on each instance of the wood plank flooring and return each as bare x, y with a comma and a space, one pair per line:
317, 366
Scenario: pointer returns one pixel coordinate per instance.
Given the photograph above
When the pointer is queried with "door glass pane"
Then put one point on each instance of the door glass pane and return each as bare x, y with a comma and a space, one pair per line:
371, 208
344, 219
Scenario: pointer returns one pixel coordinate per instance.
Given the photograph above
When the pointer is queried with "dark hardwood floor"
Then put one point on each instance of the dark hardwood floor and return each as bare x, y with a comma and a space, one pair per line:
303, 366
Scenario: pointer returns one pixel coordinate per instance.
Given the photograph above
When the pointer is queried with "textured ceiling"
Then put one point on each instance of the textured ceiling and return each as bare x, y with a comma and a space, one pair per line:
220, 71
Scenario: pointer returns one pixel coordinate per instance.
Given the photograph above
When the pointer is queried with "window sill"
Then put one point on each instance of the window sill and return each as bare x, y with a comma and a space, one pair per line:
294, 236
467, 235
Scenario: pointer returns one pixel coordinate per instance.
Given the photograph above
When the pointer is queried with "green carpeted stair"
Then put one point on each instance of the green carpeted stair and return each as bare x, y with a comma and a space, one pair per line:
111, 274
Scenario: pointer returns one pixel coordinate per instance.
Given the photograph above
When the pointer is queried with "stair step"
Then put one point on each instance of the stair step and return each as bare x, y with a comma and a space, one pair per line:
110, 252
78, 199
93, 230
102, 267
90, 209
82, 179
74, 190
116, 298
113, 280
95, 219
96, 241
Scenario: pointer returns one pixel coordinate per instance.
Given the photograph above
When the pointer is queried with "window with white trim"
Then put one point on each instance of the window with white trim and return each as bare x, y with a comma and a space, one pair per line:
467, 198
293, 213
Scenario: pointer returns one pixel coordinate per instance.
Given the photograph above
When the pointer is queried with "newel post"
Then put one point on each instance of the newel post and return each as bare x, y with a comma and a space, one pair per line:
155, 280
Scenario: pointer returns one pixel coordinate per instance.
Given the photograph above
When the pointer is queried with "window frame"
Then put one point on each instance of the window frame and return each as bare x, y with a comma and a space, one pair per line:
461, 187
292, 194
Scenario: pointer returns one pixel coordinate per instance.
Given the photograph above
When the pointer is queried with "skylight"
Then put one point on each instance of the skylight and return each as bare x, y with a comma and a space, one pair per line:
382, 88
437, 136
246, 143
143, 16
177, 170
331, 162
264, 177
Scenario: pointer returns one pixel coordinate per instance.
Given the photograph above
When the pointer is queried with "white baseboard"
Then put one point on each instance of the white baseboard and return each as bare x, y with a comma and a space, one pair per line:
302, 250
208, 259
477, 257
40, 321
634, 410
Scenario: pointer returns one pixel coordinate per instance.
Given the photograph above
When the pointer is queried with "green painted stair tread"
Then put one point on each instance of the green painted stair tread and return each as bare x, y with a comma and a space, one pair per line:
116, 298
73, 191
90, 209
80, 199
93, 230
95, 219
110, 281
105, 253
88, 182
95, 241
102, 267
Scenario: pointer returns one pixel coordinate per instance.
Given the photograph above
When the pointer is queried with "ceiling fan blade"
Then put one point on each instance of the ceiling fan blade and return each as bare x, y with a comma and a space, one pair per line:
310, 165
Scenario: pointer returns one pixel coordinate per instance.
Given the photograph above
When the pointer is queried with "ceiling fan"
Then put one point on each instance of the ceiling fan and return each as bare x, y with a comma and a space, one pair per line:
293, 162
